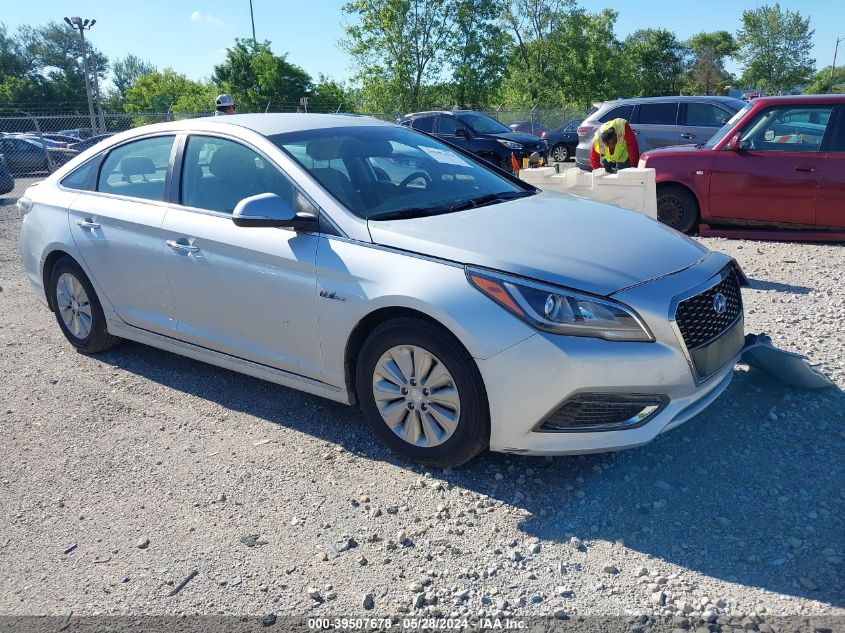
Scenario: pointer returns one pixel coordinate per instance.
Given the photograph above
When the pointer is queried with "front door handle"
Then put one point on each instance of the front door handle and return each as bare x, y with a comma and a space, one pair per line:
806, 169
688, 136
87, 223
185, 248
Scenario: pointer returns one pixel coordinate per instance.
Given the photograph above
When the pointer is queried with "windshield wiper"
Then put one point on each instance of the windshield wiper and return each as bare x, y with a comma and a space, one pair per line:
420, 212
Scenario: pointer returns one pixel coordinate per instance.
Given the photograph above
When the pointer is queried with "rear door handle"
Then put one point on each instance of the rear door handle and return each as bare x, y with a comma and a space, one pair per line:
185, 248
87, 223
806, 169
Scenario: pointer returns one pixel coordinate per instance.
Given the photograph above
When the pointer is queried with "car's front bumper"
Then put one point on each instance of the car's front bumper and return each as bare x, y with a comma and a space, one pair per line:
530, 380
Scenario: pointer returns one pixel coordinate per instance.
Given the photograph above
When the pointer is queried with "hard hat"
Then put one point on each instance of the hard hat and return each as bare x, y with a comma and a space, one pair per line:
224, 101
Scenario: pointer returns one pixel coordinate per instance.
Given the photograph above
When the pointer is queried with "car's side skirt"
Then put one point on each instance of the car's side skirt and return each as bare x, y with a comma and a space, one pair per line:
234, 363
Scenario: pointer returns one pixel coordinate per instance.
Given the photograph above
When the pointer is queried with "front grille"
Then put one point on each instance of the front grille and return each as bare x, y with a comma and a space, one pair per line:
698, 320
603, 412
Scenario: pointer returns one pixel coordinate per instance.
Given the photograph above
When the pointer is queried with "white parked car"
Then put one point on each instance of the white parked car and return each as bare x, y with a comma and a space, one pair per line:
368, 263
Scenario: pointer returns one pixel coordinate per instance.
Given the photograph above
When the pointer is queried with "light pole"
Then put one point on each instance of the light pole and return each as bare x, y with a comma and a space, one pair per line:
77, 23
832, 68
252, 19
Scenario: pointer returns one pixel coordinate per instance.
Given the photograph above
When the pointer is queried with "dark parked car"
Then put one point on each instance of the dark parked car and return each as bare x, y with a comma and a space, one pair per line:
7, 181
777, 164
479, 134
62, 138
563, 141
529, 127
81, 133
81, 146
26, 156
658, 121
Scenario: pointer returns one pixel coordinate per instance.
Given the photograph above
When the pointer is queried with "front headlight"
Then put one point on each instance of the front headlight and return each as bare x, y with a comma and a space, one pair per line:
510, 144
561, 311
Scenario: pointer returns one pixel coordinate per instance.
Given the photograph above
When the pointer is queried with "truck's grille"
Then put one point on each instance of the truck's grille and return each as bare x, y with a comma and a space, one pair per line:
697, 317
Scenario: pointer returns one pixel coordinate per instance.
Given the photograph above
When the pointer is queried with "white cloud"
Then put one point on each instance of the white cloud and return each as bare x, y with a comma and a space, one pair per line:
199, 16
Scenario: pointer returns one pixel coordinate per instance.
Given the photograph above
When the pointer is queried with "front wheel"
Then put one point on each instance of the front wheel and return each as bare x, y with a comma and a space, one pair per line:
422, 394
560, 153
677, 207
78, 310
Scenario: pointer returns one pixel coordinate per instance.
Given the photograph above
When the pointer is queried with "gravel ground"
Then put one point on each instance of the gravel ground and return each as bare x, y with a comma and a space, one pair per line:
123, 474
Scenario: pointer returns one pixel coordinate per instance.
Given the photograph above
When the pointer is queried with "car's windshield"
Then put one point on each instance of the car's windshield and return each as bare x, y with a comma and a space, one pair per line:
482, 124
718, 136
385, 171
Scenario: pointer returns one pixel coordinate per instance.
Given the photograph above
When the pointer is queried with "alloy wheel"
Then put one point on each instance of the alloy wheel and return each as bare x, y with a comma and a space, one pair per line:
416, 396
74, 306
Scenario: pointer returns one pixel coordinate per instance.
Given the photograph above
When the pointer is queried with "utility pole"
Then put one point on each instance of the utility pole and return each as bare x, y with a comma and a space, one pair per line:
252, 18
832, 68
77, 23
97, 95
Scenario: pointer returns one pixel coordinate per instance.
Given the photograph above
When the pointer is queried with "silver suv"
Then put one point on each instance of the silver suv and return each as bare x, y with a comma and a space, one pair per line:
659, 121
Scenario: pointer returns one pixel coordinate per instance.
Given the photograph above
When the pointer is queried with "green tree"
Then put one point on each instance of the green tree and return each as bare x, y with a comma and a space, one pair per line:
41, 68
258, 79
659, 61
397, 46
476, 53
707, 75
330, 96
774, 46
126, 72
535, 29
169, 91
825, 82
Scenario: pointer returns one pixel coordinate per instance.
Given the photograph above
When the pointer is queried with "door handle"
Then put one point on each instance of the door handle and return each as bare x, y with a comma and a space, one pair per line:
87, 223
805, 169
185, 248
688, 136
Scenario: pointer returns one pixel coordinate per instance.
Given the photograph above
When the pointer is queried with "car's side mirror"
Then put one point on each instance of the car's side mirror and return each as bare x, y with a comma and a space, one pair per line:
733, 144
269, 210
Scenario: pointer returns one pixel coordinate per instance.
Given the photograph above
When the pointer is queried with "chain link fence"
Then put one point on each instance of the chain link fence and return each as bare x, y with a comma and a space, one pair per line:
33, 146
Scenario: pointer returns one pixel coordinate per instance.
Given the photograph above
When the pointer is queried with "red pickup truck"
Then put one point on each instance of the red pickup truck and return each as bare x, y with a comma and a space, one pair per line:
778, 165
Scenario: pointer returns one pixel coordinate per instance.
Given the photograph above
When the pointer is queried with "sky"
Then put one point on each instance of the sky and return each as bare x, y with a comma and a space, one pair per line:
191, 36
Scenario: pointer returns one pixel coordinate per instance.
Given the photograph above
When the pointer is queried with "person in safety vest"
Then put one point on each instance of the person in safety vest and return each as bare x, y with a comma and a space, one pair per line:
614, 147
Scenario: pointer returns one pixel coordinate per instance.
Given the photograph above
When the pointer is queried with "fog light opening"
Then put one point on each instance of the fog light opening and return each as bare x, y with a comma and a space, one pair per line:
588, 412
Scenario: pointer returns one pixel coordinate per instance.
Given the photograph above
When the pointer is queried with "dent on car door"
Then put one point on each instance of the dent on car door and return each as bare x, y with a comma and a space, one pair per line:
830, 203
117, 229
245, 291
772, 178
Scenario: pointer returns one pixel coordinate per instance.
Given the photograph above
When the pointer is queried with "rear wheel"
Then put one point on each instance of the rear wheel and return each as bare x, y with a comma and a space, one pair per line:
78, 310
560, 153
422, 394
677, 207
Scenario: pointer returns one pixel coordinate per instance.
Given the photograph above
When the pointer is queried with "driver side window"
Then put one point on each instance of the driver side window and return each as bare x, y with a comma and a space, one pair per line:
218, 173
787, 129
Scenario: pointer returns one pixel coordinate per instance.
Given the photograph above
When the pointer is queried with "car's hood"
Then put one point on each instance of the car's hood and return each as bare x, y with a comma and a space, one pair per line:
558, 238
517, 137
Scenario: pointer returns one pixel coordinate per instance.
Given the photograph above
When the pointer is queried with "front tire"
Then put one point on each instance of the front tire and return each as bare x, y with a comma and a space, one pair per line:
422, 394
677, 207
77, 309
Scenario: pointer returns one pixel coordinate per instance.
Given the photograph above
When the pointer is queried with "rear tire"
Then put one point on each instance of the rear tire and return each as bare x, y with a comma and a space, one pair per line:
77, 309
560, 153
444, 426
677, 207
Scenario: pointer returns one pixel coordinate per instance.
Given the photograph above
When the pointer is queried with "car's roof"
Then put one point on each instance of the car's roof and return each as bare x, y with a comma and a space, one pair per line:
800, 99
452, 112
682, 98
270, 124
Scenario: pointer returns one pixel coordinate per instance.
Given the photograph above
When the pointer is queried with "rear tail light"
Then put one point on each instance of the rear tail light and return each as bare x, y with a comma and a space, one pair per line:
585, 129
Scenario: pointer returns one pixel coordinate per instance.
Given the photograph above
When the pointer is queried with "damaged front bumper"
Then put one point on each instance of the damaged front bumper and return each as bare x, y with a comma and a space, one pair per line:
787, 367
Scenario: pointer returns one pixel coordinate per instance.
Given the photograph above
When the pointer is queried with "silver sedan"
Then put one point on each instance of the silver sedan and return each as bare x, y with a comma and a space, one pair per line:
364, 262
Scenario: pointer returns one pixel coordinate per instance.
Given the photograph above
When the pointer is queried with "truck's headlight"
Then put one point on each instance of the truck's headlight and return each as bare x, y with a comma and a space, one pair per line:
561, 311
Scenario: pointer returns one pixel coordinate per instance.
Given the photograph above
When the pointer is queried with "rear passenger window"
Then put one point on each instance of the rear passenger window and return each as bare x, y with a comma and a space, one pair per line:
448, 125
619, 112
837, 138
658, 114
423, 124
137, 169
706, 115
